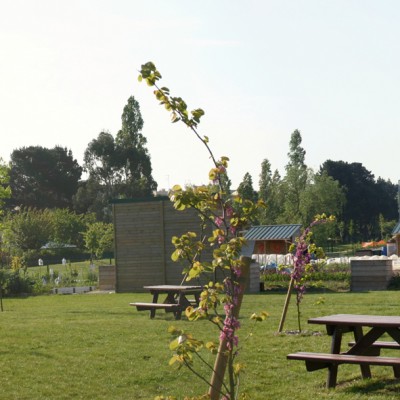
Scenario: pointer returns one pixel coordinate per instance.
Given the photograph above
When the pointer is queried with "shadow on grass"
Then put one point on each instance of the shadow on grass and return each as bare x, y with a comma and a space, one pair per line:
381, 387
98, 312
40, 354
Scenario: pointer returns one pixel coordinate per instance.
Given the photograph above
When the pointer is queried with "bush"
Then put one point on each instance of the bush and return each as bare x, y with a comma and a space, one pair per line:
15, 283
91, 277
394, 283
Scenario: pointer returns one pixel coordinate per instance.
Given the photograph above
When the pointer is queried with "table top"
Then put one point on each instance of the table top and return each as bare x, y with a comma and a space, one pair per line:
173, 288
357, 320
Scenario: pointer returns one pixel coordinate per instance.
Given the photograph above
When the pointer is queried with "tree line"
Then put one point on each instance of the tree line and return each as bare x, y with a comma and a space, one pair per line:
116, 166
119, 166
48, 210
365, 208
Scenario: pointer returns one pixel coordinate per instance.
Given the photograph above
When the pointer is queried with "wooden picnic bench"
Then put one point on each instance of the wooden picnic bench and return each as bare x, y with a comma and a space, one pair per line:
175, 301
364, 350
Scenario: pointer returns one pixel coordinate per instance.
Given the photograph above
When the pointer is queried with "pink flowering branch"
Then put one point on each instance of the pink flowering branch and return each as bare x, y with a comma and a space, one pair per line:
301, 262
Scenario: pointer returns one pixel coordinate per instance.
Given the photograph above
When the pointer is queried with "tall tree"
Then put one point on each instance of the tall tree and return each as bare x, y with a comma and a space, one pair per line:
386, 193
101, 162
366, 198
295, 180
265, 179
134, 158
322, 195
246, 190
122, 166
92, 197
43, 178
271, 193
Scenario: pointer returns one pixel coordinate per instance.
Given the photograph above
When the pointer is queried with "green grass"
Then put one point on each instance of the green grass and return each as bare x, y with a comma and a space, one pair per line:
95, 346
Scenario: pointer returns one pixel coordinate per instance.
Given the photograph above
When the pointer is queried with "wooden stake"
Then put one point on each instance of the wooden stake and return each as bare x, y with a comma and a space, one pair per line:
285, 307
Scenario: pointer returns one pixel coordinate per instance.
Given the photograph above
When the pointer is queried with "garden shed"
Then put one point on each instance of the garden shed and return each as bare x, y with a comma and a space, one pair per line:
143, 230
273, 239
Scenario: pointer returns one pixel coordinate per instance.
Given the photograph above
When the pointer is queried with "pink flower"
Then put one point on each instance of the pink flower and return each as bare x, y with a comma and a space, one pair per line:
229, 211
218, 221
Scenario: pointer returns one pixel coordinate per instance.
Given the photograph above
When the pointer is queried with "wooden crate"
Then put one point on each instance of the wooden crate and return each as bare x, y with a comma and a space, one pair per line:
107, 277
370, 274
253, 284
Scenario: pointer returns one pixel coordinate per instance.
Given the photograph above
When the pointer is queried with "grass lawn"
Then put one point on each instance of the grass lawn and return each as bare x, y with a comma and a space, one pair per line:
95, 346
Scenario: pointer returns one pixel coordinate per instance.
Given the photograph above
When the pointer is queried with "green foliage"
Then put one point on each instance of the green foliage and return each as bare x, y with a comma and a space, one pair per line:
43, 178
5, 190
320, 276
366, 200
386, 227
14, 281
394, 283
26, 229
118, 167
67, 226
246, 190
271, 194
93, 198
99, 237
221, 217
133, 158
322, 193
295, 180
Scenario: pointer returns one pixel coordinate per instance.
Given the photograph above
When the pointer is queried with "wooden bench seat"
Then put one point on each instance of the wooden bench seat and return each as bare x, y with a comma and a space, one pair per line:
315, 361
382, 345
152, 306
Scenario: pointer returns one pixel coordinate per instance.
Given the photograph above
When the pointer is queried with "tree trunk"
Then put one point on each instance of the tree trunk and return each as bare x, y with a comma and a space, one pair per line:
1, 299
221, 361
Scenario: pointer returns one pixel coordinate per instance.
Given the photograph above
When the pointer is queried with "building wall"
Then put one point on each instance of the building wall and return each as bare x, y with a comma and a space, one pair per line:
271, 247
143, 232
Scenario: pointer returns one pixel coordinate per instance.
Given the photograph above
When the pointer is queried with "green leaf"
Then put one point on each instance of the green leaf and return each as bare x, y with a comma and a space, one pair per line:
176, 254
173, 360
174, 344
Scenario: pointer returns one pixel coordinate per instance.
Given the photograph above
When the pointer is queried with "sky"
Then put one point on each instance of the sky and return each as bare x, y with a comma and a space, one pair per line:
258, 68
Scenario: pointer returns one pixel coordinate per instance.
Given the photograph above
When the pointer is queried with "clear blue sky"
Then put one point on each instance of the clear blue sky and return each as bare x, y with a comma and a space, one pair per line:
259, 69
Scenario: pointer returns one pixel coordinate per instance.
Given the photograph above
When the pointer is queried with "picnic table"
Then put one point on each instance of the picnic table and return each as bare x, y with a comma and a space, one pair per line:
364, 350
176, 299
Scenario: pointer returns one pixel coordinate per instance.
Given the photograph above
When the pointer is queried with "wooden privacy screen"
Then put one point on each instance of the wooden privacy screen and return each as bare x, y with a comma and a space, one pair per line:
143, 232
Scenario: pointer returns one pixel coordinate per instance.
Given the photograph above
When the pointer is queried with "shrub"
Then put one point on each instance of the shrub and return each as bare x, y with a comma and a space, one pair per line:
394, 283
14, 282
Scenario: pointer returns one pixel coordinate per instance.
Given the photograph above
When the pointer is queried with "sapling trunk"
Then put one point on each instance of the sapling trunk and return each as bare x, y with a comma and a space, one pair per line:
224, 356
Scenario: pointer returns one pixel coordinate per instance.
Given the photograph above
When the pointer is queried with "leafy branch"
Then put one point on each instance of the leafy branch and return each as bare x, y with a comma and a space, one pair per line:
225, 215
